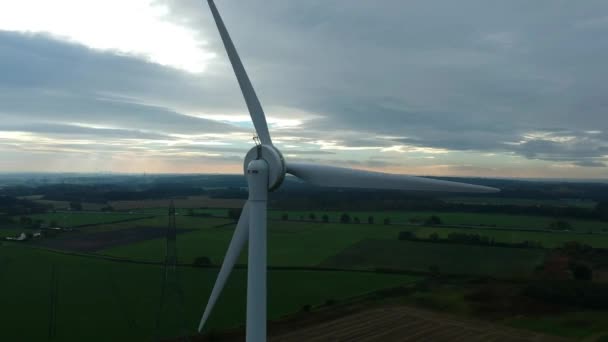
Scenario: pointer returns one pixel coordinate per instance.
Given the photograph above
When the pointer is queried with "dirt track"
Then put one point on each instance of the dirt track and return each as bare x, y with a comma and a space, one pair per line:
407, 324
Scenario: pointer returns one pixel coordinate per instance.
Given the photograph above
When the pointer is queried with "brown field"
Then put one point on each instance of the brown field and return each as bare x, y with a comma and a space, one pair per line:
92, 242
402, 323
65, 205
187, 202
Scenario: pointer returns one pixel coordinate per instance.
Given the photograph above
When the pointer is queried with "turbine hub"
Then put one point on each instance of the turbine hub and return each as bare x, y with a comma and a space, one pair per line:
276, 164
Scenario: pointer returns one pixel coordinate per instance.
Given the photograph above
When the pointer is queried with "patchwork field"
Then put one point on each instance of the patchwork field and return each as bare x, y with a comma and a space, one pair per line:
127, 295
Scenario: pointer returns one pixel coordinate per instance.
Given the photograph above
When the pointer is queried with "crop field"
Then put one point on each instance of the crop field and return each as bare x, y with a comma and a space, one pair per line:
187, 202
65, 205
448, 258
121, 301
79, 218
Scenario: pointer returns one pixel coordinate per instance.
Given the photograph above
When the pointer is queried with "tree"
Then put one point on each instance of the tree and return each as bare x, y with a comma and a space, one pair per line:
601, 210
560, 225
581, 271
434, 237
285, 217
76, 206
433, 220
202, 261
234, 213
53, 223
345, 218
387, 220
312, 216
325, 218
406, 235
25, 220
434, 270
370, 219
190, 212
357, 220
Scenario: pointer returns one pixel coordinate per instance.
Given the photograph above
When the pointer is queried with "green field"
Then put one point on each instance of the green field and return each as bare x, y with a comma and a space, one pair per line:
308, 244
450, 218
523, 202
103, 300
448, 258
289, 243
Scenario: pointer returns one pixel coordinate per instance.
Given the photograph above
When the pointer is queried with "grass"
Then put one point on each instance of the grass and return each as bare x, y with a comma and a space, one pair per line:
99, 300
448, 258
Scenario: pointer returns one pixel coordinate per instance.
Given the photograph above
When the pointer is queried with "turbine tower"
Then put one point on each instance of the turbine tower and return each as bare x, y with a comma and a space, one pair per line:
265, 169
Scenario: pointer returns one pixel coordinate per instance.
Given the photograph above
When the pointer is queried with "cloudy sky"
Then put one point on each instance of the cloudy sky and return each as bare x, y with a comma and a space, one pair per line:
480, 88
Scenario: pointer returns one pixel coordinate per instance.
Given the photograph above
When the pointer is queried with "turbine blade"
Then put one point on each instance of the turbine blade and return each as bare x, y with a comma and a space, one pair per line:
241, 233
251, 99
340, 177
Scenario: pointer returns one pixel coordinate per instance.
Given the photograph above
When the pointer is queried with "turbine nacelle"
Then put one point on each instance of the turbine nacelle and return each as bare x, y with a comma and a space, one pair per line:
276, 163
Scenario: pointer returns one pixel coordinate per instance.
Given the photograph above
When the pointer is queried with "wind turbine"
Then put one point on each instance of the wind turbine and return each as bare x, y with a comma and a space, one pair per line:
265, 169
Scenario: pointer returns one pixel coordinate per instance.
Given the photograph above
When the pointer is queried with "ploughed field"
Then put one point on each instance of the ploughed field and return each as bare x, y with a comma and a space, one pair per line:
96, 241
400, 323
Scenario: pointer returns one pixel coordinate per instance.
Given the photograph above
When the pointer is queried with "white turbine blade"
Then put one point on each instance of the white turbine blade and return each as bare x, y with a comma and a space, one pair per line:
239, 238
340, 177
253, 104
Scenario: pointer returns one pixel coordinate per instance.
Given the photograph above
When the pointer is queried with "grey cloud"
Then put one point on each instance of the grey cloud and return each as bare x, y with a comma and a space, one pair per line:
63, 130
471, 76
466, 76
590, 163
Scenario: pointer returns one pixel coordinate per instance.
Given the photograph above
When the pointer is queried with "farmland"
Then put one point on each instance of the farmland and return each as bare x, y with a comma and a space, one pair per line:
450, 218
126, 296
396, 270
457, 259
76, 219
398, 323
